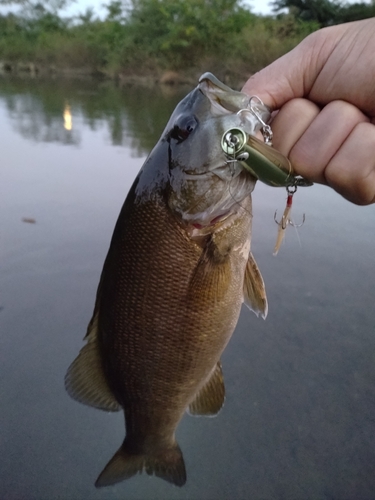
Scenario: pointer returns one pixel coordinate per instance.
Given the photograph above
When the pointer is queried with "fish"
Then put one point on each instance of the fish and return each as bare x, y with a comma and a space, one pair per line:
178, 269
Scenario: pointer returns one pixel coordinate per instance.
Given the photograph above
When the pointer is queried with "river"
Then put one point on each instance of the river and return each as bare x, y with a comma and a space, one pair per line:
299, 416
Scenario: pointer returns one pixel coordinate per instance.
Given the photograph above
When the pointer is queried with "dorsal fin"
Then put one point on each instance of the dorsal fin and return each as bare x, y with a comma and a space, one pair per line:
85, 381
210, 398
254, 290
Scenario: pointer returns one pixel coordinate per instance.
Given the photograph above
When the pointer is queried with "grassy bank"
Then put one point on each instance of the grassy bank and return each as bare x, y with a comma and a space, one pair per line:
147, 38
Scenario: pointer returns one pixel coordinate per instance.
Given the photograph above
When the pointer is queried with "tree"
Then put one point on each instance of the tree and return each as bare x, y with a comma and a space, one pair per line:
181, 31
325, 12
356, 11
115, 10
38, 8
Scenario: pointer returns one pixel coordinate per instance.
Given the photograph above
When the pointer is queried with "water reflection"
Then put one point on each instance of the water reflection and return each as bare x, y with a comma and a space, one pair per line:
298, 422
68, 125
43, 112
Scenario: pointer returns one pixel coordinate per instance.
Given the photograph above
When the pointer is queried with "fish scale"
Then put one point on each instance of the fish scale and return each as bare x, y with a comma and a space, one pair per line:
176, 331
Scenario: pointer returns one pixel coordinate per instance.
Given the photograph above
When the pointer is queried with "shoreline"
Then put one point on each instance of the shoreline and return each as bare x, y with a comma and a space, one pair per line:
190, 76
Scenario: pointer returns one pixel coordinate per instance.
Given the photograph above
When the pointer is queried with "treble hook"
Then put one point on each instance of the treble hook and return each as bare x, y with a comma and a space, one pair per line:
266, 129
286, 219
284, 222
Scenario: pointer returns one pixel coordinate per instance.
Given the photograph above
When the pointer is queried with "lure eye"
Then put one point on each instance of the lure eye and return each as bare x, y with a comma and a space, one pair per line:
183, 128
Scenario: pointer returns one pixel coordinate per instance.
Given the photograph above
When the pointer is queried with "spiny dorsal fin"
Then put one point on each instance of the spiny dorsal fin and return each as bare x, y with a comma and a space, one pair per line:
210, 398
167, 464
84, 380
254, 291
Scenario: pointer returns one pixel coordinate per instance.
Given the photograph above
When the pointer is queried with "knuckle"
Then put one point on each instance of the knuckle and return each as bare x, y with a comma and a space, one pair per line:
347, 113
351, 171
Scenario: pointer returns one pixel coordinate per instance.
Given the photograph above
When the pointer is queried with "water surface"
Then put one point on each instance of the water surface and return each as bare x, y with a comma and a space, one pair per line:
299, 417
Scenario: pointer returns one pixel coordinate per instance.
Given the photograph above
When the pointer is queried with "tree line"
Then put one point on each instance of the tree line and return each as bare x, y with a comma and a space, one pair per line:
151, 36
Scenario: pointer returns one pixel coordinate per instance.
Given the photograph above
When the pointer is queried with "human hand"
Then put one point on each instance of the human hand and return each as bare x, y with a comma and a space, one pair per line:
324, 90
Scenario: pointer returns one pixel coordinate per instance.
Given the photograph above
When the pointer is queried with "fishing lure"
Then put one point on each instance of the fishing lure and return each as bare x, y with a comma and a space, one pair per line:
264, 162
286, 219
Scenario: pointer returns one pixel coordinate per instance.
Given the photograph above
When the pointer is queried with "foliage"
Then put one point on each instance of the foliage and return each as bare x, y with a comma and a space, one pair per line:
270, 38
150, 36
177, 31
326, 12
37, 8
355, 12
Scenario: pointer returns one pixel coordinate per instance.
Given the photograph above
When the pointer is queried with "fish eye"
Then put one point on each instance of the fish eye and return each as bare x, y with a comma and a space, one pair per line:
183, 128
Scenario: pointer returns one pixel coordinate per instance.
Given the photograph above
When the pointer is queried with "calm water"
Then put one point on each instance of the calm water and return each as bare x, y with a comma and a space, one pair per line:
299, 418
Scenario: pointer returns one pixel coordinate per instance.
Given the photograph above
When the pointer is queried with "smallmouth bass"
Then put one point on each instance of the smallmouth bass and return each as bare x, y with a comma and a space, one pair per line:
178, 269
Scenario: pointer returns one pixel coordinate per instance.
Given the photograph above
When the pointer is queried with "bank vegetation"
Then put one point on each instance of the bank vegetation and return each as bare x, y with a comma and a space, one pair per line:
157, 38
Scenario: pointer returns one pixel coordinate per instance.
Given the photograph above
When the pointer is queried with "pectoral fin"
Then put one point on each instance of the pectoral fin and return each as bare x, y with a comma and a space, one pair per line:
210, 398
212, 274
85, 381
254, 291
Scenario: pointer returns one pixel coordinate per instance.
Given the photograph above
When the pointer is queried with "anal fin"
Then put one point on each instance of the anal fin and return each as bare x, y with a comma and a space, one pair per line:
210, 398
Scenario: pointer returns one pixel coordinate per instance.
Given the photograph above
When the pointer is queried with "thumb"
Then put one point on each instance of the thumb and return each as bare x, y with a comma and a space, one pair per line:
290, 76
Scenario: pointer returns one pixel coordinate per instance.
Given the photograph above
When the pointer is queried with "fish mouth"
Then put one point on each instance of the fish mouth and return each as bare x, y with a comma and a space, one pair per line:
225, 101
211, 80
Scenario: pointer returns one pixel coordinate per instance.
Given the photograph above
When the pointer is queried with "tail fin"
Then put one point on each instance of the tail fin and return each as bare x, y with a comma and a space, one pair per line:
167, 464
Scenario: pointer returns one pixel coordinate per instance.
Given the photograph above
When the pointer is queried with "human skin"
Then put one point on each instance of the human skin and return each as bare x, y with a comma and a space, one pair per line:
323, 92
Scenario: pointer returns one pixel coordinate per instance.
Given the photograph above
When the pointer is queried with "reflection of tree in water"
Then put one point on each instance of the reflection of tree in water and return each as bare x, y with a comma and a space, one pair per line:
134, 116
148, 112
30, 119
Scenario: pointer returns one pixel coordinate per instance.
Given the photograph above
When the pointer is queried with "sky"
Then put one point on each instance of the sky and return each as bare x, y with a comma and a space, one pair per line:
80, 6
258, 6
